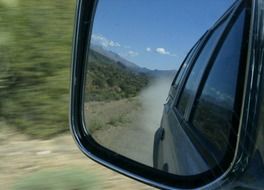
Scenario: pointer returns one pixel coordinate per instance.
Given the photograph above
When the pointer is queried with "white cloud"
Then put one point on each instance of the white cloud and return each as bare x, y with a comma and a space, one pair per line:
132, 53
163, 51
148, 49
103, 41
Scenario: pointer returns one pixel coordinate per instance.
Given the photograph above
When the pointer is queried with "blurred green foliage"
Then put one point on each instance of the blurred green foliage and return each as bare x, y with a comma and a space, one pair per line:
35, 52
61, 179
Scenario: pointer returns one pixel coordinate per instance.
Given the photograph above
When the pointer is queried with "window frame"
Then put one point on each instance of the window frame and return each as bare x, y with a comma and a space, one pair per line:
187, 60
226, 17
213, 57
192, 53
190, 130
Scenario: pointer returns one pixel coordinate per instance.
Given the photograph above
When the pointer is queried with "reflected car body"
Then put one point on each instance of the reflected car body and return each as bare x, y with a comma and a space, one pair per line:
213, 113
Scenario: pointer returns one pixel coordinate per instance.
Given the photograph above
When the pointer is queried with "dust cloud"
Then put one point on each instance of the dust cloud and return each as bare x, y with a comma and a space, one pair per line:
152, 99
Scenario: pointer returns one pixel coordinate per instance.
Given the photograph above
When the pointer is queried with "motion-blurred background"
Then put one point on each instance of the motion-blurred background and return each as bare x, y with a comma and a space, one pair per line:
36, 148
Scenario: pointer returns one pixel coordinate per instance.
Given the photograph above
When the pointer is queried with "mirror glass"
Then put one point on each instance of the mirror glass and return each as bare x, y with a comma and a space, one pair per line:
136, 49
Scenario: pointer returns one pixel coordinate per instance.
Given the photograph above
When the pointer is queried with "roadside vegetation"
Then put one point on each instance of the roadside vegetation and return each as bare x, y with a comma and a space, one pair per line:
104, 115
35, 51
109, 80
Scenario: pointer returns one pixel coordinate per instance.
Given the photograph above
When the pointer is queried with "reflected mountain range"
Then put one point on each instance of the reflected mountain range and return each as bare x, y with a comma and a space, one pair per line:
122, 62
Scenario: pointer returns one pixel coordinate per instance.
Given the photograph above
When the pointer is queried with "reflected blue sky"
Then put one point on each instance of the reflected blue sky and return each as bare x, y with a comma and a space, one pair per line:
156, 34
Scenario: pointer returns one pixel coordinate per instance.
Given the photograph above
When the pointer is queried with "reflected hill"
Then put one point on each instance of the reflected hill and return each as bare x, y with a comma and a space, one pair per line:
111, 77
130, 65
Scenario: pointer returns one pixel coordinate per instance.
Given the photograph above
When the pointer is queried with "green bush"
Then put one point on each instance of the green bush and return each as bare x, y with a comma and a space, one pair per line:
64, 179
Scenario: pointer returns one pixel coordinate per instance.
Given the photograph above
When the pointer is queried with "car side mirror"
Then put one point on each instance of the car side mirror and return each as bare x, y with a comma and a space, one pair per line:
132, 108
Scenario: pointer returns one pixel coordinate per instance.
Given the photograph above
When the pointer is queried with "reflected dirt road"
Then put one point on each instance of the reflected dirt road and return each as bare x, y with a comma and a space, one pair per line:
134, 136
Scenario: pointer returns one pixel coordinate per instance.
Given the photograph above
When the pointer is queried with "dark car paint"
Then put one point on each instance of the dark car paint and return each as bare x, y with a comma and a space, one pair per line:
253, 177
183, 140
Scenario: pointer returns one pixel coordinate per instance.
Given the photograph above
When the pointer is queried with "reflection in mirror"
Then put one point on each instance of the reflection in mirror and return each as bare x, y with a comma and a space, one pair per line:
135, 51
